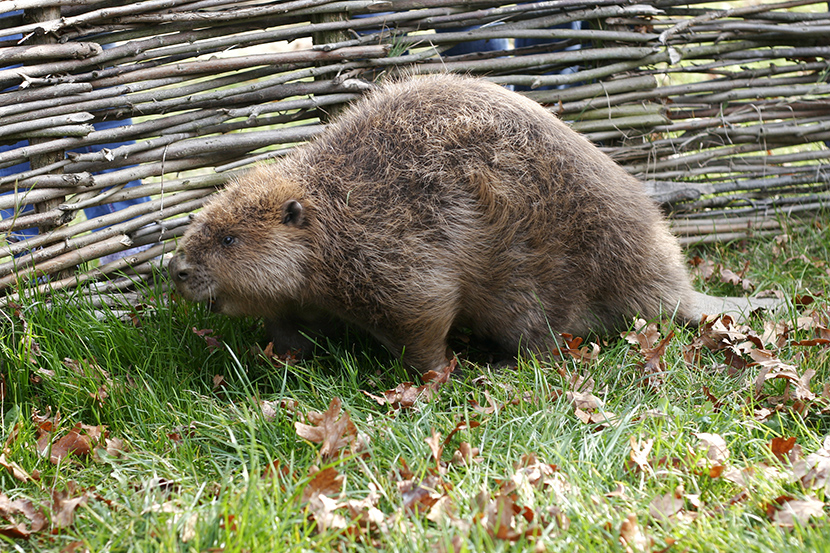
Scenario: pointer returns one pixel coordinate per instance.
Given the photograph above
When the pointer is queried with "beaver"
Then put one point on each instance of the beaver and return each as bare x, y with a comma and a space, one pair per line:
431, 203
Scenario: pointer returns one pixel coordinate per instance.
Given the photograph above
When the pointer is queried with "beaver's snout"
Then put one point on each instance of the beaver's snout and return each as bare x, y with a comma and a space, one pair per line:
178, 269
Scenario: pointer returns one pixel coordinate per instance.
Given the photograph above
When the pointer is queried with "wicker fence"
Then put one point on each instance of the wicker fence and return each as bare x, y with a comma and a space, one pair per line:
153, 105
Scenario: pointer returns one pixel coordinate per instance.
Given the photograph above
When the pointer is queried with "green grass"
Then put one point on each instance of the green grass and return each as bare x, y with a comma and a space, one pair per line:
191, 475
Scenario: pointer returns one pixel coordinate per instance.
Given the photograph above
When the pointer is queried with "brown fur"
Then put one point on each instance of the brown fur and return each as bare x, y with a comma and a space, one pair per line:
436, 202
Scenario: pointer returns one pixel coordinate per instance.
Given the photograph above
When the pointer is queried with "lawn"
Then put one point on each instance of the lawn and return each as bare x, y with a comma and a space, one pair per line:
169, 428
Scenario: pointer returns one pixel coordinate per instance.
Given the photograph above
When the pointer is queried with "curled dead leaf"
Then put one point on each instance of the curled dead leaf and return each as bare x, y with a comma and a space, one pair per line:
665, 506
787, 511
330, 429
645, 334
213, 342
78, 441
20, 517
584, 400
780, 447
440, 377
109, 447
323, 509
814, 470
715, 447
64, 504
499, 518
466, 455
531, 473
640, 452
436, 446
654, 366
271, 408
14, 469
404, 396
580, 354
491, 408
632, 537
420, 496
327, 482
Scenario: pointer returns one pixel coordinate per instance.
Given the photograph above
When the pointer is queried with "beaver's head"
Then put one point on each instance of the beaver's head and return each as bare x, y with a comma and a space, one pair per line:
245, 253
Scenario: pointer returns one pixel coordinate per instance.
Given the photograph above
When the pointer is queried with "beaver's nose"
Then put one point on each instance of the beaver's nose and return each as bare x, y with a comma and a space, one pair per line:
178, 269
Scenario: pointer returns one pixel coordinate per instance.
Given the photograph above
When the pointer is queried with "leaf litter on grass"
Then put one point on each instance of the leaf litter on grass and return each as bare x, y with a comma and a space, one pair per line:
534, 499
507, 514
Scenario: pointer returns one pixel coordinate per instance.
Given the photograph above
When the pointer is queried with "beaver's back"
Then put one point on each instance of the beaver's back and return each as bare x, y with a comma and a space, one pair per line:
456, 175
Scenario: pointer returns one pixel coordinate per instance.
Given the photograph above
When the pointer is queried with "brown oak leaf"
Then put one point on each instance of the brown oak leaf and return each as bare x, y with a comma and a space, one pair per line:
330, 429
21, 518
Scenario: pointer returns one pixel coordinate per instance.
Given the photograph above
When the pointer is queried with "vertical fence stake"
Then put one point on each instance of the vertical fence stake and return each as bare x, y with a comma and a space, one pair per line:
328, 37
37, 15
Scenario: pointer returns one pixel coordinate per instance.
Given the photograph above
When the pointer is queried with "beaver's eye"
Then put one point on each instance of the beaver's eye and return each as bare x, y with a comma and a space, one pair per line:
228, 240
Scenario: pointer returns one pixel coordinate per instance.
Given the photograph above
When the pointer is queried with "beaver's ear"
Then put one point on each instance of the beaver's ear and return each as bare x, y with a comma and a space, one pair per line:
292, 213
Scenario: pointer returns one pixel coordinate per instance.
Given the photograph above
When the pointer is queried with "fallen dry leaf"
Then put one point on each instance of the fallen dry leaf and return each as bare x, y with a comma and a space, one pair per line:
603, 419
442, 510
652, 349
330, 429
440, 377
21, 517
491, 408
271, 408
64, 504
323, 482
212, 341
654, 366
787, 512
112, 447
703, 268
667, 505
14, 469
814, 470
418, 495
403, 396
645, 334
746, 476
802, 386
499, 518
436, 446
584, 400
463, 425
730, 277
715, 447
619, 491
640, 452
781, 447
277, 359
775, 333
78, 441
407, 394
531, 473
772, 368
466, 455
365, 510
323, 510
581, 354
632, 537
75, 547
